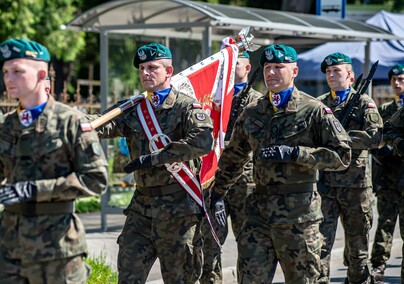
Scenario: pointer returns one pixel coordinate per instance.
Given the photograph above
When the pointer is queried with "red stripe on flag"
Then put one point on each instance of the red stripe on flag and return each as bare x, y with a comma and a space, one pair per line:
228, 94
212, 82
203, 80
209, 167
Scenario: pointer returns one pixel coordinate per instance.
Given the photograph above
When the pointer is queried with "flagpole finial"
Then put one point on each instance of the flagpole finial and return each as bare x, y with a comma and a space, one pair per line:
244, 40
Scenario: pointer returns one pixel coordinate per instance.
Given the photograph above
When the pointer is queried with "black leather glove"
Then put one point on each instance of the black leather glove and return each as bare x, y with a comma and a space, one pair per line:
384, 154
280, 153
400, 148
218, 209
16, 193
143, 162
385, 151
322, 188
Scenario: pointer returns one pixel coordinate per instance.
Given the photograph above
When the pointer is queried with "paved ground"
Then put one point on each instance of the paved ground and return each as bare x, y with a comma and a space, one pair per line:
104, 243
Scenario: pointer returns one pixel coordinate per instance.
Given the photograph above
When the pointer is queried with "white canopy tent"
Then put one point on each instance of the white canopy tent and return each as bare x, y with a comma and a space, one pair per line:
388, 52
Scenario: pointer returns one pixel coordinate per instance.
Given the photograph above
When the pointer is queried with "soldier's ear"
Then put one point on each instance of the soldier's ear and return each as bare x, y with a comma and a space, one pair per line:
41, 74
295, 71
169, 71
351, 77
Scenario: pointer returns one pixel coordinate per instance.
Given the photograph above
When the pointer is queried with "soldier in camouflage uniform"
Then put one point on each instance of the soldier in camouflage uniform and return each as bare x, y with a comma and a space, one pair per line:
162, 220
291, 136
348, 194
390, 196
234, 200
48, 158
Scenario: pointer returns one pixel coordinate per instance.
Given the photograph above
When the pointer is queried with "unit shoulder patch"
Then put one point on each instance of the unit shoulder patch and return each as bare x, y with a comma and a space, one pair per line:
96, 148
374, 117
200, 116
338, 126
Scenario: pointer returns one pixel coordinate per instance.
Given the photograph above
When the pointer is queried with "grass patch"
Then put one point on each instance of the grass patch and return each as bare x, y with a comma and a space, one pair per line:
101, 272
370, 7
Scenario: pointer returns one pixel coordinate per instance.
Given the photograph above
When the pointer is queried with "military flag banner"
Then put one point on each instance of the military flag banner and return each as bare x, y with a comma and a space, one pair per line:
211, 82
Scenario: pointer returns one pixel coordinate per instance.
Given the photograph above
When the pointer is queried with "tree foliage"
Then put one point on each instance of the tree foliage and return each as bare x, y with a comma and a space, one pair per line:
395, 6
398, 6
63, 44
41, 20
17, 19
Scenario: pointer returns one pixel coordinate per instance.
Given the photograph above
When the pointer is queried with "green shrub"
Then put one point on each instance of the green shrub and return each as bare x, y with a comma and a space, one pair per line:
121, 199
88, 204
93, 204
101, 272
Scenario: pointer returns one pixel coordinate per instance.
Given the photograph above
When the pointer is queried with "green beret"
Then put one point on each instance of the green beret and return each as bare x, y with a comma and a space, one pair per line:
397, 69
278, 53
150, 52
243, 54
335, 59
21, 48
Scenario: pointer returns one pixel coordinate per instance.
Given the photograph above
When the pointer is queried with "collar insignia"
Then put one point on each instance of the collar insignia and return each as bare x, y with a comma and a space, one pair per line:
276, 99
156, 100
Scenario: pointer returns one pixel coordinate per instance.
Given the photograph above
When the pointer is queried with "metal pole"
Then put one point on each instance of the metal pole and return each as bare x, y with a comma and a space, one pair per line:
104, 102
366, 67
207, 42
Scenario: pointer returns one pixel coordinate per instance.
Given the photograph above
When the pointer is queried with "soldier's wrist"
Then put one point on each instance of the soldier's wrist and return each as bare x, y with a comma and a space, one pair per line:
214, 195
296, 153
400, 147
396, 142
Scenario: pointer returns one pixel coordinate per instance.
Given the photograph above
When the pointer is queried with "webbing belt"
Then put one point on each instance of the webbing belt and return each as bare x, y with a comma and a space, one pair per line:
158, 190
284, 188
43, 208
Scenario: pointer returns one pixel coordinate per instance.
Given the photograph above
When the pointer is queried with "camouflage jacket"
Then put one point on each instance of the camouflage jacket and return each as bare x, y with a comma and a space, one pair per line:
65, 162
306, 123
365, 130
189, 127
394, 129
240, 101
391, 163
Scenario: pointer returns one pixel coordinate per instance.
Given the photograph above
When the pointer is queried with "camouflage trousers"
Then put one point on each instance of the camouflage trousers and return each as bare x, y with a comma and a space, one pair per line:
176, 242
354, 207
390, 205
212, 262
71, 270
295, 246
234, 202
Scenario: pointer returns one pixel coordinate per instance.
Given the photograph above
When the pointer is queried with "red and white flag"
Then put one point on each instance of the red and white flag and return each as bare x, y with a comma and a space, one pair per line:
211, 82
